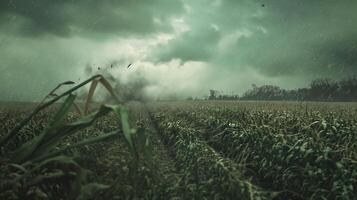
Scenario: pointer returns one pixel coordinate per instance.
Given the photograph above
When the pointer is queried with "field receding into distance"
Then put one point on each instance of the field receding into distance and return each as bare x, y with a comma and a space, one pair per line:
176, 100
190, 150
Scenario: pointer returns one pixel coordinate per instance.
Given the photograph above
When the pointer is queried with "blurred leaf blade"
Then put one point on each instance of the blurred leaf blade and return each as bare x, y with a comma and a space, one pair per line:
27, 149
69, 129
122, 113
100, 138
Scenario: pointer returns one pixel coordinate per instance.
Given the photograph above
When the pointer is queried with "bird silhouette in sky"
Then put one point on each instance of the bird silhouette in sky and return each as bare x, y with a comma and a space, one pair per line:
128, 66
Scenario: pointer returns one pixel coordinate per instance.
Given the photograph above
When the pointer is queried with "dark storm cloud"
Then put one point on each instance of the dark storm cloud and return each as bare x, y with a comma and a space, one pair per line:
207, 20
191, 46
286, 38
342, 50
232, 43
85, 17
44, 42
306, 37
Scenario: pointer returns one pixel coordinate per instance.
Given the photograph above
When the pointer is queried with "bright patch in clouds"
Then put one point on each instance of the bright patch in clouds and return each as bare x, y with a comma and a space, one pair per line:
177, 48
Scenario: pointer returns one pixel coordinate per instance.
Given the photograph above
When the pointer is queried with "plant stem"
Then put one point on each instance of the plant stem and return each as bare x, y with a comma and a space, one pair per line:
17, 128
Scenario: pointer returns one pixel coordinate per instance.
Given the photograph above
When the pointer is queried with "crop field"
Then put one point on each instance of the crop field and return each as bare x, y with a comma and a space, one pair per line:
183, 150
300, 151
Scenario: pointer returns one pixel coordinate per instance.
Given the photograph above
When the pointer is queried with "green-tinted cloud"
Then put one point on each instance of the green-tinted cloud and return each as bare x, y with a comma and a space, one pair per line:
277, 38
65, 18
219, 44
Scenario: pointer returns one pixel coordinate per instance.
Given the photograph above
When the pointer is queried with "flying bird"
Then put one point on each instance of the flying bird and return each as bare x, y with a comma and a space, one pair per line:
128, 66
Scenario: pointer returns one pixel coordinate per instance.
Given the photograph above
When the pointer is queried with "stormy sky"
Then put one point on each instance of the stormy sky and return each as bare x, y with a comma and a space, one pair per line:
177, 48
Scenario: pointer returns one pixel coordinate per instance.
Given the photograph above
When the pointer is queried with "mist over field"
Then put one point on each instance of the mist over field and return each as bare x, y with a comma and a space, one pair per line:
176, 48
178, 99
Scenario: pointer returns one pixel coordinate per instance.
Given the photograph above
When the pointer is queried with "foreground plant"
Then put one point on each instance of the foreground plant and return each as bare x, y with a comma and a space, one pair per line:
39, 166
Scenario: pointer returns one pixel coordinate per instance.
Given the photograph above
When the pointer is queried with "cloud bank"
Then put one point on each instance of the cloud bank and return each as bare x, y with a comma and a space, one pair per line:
177, 48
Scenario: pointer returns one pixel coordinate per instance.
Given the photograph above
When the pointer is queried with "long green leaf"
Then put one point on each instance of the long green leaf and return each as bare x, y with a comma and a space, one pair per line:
92, 140
89, 190
26, 150
23, 122
67, 130
61, 113
43, 177
44, 149
53, 91
122, 113
58, 160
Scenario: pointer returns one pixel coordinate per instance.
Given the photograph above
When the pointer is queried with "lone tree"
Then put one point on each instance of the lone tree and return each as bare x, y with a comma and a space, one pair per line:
213, 94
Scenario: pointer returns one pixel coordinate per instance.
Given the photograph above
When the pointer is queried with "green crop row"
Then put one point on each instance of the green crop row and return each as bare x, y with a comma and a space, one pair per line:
298, 163
212, 175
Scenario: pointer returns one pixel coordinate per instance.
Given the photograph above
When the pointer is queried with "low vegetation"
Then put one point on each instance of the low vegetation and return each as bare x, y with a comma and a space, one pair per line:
37, 164
177, 150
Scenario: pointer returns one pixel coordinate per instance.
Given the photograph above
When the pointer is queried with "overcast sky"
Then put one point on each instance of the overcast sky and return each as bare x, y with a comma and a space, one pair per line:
176, 47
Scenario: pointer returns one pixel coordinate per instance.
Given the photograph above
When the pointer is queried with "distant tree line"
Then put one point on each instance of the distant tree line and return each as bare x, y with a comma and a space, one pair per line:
214, 94
318, 90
